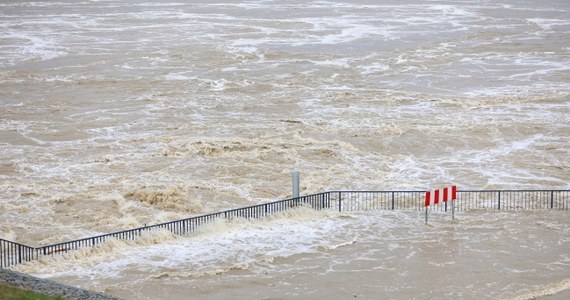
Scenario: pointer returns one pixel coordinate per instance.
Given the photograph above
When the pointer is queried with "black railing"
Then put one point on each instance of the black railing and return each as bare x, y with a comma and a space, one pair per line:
514, 199
466, 200
370, 200
12, 253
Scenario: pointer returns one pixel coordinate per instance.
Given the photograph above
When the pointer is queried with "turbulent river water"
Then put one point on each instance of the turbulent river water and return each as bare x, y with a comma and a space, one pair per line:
116, 114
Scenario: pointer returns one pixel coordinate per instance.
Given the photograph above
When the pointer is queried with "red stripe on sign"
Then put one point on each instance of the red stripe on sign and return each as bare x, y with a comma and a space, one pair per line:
454, 192
428, 194
436, 196
445, 194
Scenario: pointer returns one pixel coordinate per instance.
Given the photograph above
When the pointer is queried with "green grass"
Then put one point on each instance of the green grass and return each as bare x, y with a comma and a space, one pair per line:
11, 293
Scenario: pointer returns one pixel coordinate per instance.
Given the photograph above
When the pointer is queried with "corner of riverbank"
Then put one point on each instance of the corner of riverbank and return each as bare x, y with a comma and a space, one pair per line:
49, 287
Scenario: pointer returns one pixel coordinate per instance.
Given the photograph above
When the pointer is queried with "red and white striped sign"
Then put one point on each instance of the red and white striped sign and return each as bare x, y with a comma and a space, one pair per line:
442, 194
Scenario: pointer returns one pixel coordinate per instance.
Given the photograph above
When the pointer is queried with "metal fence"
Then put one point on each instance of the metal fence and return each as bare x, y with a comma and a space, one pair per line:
514, 200
372, 200
12, 253
466, 200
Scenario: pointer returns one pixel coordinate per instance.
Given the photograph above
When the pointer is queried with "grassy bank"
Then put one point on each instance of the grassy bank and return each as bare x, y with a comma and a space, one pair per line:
11, 293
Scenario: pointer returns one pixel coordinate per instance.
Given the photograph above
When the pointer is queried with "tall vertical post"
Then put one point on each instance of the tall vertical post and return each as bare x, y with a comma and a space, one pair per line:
296, 184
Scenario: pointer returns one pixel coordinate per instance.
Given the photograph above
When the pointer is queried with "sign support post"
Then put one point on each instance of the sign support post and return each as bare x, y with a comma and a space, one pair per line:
427, 203
453, 197
452, 209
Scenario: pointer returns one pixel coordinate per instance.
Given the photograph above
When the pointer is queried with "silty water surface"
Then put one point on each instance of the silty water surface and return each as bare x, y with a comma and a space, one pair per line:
118, 114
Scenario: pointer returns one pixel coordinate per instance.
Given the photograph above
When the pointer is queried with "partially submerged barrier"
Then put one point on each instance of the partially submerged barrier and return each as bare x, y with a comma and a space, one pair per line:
466, 200
12, 253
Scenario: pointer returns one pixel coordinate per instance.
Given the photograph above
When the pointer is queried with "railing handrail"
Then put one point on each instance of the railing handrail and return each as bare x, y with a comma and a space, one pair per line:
20, 252
111, 234
15, 243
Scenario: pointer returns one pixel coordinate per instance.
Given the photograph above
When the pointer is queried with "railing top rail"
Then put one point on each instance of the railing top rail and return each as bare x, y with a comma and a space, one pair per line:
269, 203
15, 243
167, 223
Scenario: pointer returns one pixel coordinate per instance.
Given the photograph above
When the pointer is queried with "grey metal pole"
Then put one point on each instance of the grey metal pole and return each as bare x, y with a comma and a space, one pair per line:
426, 215
452, 209
296, 184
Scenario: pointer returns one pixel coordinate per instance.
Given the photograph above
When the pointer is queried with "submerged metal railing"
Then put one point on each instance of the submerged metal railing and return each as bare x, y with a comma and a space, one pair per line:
466, 200
12, 253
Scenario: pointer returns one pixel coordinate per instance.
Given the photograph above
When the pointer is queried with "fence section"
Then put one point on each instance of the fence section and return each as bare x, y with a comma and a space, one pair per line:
371, 200
513, 200
466, 200
12, 253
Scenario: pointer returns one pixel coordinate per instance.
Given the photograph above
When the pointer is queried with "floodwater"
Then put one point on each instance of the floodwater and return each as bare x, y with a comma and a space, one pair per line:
116, 114
304, 254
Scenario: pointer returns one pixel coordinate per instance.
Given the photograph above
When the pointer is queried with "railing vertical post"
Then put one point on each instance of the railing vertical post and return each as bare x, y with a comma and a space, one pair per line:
499, 200
19, 254
339, 202
392, 200
551, 199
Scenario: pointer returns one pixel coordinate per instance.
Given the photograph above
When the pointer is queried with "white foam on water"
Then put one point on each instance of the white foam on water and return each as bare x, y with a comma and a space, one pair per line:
374, 243
221, 246
547, 290
549, 24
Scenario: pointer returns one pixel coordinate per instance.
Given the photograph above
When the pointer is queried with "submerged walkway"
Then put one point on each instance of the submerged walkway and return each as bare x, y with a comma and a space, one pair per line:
12, 253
